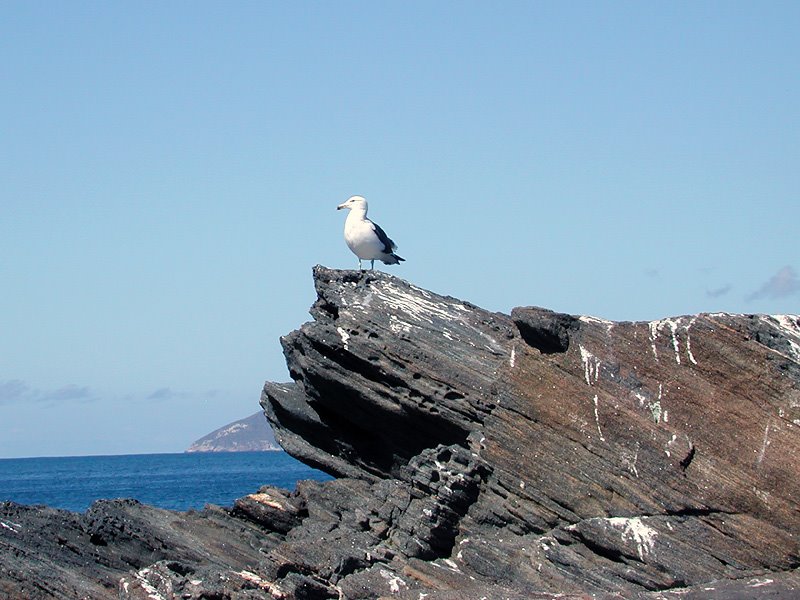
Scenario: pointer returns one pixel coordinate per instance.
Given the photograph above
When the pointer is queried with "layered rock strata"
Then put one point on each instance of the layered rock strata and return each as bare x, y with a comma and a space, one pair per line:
478, 455
545, 452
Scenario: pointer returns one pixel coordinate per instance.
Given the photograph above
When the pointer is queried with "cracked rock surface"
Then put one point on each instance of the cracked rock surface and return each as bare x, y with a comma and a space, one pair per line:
483, 455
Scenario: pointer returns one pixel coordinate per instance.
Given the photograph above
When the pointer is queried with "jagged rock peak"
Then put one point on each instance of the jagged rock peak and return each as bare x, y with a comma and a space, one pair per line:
369, 393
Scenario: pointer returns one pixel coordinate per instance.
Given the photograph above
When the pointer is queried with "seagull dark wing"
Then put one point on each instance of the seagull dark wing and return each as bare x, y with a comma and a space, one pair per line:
388, 245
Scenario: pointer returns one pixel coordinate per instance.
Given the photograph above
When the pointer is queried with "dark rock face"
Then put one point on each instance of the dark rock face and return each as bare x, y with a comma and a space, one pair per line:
479, 455
110, 550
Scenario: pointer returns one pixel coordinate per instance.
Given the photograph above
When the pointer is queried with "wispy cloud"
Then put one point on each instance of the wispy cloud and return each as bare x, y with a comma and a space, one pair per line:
164, 393
15, 390
68, 393
12, 391
720, 291
784, 283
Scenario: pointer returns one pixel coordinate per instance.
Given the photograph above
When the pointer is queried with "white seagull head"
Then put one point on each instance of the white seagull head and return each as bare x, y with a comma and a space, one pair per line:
354, 202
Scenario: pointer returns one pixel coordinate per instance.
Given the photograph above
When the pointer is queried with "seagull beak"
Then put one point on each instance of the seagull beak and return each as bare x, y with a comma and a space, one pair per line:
340, 207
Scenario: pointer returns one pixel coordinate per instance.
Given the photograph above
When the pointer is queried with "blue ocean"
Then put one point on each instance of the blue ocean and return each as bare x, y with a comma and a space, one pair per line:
173, 481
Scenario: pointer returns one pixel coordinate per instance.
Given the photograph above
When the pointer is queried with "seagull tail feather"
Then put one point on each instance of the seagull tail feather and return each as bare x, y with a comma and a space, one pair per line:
392, 259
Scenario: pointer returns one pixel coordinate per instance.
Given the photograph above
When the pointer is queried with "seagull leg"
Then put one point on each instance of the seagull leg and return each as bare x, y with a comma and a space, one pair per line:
371, 265
359, 265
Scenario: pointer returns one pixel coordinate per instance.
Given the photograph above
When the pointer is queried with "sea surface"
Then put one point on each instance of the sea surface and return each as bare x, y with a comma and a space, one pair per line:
174, 481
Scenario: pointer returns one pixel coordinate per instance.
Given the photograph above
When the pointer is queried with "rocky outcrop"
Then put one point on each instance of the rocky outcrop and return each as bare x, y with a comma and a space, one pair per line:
251, 434
542, 452
124, 548
477, 454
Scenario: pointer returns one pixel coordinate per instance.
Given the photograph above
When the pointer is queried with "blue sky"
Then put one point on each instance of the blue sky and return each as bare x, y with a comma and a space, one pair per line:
171, 172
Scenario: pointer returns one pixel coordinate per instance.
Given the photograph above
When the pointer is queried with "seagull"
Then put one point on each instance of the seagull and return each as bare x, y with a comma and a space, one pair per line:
365, 238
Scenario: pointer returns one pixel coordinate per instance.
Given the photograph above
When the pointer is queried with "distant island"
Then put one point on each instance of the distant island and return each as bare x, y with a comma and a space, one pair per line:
252, 434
